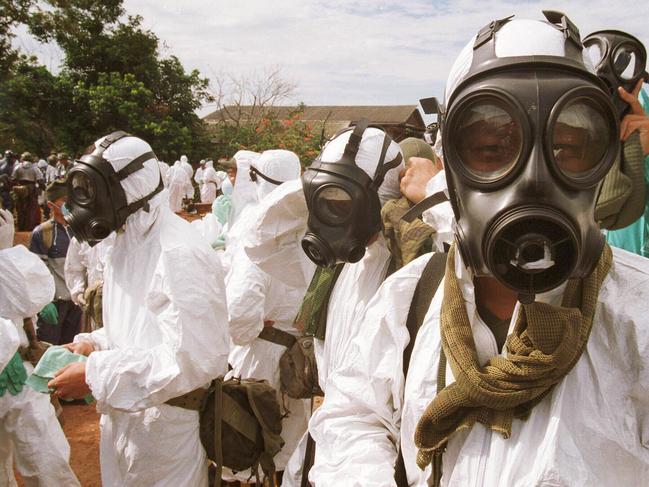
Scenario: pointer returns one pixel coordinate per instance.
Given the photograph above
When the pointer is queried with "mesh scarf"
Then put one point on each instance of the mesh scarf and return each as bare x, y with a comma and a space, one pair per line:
545, 344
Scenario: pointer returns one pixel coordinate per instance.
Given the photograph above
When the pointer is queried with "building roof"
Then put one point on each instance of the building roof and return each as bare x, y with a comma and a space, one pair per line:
387, 115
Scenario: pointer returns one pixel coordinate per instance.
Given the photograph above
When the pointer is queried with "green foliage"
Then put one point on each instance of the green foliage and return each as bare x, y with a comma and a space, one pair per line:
271, 133
111, 78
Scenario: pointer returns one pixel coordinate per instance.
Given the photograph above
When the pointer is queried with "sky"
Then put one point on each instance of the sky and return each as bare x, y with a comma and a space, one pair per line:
344, 52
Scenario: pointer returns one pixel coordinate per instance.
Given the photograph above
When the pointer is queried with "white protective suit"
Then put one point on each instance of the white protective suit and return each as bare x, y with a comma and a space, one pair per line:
255, 297
210, 183
29, 430
591, 429
245, 191
180, 186
164, 169
84, 266
274, 245
184, 163
198, 175
165, 334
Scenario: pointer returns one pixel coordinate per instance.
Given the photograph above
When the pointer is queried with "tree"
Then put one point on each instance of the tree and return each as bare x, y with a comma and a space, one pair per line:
112, 78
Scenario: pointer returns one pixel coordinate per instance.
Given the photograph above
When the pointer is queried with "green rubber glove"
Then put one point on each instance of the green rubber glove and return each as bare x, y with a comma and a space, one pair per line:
49, 314
13, 376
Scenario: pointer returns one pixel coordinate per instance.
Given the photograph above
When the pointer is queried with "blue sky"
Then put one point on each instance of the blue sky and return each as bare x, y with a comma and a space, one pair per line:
343, 52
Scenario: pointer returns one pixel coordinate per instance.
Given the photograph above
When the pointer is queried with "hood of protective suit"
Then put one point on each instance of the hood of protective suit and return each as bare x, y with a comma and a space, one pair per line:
280, 165
209, 164
245, 191
26, 284
273, 242
139, 184
367, 159
184, 160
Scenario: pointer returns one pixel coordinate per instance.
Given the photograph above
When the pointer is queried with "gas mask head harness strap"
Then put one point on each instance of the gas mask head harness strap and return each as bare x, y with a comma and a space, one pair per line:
343, 202
254, 172
619, 60
97, 202
527, 141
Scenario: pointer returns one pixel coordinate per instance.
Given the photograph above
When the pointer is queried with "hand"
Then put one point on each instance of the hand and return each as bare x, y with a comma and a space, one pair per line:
80, 299
83, 347
637, 119
415, 178
70, 382
6, 229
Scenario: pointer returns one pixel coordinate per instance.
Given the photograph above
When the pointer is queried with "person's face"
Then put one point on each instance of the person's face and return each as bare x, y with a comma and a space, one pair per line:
232, 174
64, 162
55, 208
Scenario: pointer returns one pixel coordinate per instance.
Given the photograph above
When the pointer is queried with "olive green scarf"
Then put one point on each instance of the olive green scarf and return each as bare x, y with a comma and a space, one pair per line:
545, 344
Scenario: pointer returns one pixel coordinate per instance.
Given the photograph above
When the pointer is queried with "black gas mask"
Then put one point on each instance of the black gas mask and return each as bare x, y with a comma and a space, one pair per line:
527, 142
343, 203
620, 60
96, 201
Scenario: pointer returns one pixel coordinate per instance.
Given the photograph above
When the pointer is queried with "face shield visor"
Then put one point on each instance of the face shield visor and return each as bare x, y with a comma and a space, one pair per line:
97, 204
620, 60
343, 203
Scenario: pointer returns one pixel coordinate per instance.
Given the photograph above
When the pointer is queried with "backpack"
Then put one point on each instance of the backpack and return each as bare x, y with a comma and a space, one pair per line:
429, 281
298, 370
240, 425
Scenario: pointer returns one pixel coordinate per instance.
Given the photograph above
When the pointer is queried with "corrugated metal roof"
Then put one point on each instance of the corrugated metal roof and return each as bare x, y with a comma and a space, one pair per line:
390, 114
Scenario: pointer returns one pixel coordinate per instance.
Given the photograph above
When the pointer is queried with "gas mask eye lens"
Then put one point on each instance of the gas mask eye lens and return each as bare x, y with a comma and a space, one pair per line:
489, 139
83, 188
580, 138
595, 53
333, 205
626, 63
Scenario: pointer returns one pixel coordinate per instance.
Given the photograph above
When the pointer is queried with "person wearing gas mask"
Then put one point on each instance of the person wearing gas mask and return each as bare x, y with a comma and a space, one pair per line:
261, 310
330, 217
620, 61
165, 328
29, 431
528, 366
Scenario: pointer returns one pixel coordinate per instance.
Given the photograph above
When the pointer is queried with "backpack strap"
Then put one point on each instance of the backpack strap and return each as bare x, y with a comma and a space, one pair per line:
426, 287
277, 336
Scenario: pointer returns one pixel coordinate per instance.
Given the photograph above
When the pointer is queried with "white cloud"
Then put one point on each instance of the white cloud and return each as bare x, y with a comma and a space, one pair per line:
350, 52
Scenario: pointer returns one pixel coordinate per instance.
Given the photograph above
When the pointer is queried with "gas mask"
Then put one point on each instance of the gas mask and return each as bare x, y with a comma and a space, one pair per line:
343, 203
97, 203
619, 60
527, 142
253, 172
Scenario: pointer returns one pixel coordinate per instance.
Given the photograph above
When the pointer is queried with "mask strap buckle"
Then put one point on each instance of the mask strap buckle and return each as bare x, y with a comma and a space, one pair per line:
565, 25
489, 31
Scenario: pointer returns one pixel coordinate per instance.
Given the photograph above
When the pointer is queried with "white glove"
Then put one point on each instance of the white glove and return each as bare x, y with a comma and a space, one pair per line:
6, 229
79, 299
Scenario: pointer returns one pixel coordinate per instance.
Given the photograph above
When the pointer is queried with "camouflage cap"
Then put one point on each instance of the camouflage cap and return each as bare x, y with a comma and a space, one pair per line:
56, 189
413, 147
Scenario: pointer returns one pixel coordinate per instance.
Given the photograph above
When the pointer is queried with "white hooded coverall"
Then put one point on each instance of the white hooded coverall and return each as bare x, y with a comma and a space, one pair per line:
255, 297
28, 424
165, 334
210, 183
274, 245
592, 429
179, 186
